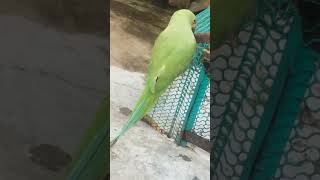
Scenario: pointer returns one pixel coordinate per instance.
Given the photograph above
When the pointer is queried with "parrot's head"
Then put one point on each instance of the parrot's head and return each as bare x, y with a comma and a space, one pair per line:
186, 16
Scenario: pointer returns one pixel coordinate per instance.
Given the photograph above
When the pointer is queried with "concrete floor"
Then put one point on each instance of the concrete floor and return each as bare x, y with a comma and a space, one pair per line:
143, 153
51, 85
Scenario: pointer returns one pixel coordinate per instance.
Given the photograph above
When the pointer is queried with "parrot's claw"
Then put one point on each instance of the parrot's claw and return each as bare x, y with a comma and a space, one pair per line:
206, 56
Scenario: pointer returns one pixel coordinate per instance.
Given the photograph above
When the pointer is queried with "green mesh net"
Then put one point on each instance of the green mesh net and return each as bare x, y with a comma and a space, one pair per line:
256, 89
184, 108
299, 158
291, 148
283, 121
246, 85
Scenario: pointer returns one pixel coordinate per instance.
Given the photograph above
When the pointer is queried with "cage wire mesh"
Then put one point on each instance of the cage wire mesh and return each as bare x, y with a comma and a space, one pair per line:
301, 155
246, 87
185, 105
202, 124
246, 84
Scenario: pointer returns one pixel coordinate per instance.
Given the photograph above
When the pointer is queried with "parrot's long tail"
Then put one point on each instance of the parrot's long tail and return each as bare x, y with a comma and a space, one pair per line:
144, 104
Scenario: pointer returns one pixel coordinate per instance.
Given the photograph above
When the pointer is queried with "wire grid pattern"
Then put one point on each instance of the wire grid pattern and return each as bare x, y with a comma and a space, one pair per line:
243, 79
171, 110
300, 160
301, 155
202, 125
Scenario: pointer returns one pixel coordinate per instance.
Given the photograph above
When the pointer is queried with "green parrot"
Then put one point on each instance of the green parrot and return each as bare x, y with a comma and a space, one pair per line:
91, 160
172, 53
227, 18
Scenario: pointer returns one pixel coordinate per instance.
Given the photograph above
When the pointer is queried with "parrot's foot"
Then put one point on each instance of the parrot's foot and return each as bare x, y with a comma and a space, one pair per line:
113, 141
205, 60
206, 56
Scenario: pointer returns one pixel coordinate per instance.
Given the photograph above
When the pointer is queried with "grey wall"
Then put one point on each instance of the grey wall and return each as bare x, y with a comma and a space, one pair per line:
52, 79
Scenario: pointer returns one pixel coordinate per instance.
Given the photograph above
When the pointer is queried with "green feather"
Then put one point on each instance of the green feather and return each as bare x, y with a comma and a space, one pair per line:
144, 104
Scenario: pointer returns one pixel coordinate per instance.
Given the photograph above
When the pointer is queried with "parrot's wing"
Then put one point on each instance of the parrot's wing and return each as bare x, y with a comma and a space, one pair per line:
163, 46
172, 51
